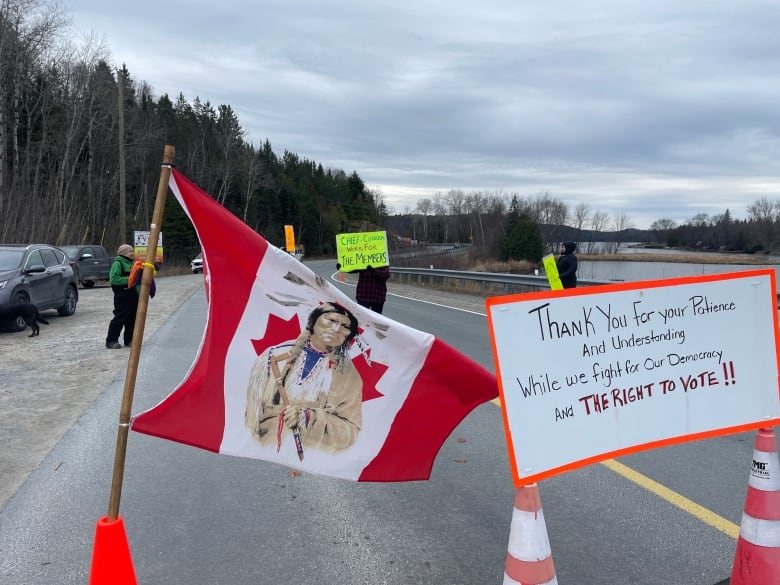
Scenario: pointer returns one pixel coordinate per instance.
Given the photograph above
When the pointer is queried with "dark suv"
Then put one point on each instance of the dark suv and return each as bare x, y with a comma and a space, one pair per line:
92, 263
39, 274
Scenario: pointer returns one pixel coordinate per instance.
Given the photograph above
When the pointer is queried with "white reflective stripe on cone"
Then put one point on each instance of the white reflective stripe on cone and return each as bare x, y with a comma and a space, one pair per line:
764, 473
528, 549
509, 581
760, 532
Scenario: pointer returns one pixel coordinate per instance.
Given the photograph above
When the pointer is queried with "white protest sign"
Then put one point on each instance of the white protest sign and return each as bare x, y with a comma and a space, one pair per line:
141, 246
592, 373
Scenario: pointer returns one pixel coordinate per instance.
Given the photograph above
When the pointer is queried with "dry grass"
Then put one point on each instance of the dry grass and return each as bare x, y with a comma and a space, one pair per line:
511, 266
467, 262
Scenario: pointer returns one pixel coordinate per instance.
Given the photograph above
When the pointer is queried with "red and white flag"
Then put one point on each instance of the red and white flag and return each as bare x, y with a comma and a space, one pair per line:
387, 423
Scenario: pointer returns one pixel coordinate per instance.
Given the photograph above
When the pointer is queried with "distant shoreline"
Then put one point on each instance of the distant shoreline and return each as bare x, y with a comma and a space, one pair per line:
684, 257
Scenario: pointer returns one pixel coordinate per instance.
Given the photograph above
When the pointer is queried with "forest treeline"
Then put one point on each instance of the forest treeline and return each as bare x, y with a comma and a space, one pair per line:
524, 228
81, 143
64, 114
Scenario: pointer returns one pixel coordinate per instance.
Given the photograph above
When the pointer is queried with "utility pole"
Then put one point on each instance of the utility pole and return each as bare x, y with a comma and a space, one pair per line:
121, 126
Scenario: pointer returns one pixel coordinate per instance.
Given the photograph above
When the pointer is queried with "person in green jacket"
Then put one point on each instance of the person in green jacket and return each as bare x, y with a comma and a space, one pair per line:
125, 299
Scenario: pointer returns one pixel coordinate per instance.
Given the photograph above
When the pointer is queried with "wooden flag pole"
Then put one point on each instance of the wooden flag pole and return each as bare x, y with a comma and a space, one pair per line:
138, 334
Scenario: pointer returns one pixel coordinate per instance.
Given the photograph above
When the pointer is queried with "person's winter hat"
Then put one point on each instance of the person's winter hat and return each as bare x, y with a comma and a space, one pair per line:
569, 247
124, 250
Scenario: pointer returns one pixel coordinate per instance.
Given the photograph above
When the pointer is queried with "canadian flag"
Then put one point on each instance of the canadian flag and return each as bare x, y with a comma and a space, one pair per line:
376, 408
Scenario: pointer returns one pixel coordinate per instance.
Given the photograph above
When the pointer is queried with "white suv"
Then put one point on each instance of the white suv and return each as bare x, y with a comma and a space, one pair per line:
197, 264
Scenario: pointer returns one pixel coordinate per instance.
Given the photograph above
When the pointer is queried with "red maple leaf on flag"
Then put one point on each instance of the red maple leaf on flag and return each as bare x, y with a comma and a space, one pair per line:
278, 330
371, 375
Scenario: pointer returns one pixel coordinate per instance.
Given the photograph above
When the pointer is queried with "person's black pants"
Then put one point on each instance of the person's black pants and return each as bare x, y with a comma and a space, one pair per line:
376, 307
125, 307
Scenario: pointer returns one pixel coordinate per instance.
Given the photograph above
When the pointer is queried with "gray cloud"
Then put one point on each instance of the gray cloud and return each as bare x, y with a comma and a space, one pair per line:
656, 109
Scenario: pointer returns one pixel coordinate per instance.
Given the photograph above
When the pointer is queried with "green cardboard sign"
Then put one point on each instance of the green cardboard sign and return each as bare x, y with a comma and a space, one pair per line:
359, 250
551, 268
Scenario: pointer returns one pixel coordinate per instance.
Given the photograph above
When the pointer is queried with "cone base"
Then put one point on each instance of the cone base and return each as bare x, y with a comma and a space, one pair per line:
755, 565
111, 561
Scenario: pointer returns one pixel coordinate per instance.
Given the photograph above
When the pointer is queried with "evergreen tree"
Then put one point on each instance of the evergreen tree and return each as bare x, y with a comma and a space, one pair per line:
522, 238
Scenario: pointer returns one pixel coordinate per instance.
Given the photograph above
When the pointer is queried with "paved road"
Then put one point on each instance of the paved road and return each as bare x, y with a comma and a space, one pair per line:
195, 517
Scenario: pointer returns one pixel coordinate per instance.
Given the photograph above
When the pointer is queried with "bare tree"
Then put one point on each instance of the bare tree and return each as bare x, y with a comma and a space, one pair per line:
475, 205
424, 208
764, 215
546, 210
381, 203
764, 210
699, 222
456, 201
497, 204
440, 210
621, 223
599, 221
29, 33
251, 164
580, 216
662, 228
663, 225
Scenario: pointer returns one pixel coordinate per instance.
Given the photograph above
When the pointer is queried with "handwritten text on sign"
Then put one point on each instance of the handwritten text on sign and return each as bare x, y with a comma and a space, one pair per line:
358, 250
615, 369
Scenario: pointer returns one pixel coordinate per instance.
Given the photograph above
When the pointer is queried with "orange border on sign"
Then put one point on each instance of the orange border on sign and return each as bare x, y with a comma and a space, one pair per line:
626, 286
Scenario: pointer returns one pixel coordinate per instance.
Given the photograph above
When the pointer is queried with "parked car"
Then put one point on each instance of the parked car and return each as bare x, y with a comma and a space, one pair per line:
39, 274
93, 263
197, 264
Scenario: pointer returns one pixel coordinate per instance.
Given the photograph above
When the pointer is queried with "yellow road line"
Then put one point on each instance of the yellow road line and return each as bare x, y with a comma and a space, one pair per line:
663, 492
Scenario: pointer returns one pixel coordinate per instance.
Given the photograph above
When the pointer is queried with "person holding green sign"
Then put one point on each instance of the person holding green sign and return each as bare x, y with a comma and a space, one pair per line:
371, 290
366, 254
567, 265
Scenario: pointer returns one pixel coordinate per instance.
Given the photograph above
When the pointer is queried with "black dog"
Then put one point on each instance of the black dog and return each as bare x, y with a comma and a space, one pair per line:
26, 311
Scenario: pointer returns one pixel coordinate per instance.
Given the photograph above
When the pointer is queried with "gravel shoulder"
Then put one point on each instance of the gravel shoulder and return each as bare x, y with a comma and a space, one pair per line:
46, 382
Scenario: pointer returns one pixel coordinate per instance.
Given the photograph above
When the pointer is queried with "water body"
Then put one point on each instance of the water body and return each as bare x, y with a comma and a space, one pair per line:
638, 270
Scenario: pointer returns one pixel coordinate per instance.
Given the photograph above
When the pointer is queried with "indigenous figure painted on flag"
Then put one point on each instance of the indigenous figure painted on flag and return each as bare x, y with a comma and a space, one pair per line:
308, 389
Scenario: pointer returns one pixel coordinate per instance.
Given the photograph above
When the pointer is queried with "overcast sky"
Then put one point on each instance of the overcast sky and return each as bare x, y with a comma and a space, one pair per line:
659, 109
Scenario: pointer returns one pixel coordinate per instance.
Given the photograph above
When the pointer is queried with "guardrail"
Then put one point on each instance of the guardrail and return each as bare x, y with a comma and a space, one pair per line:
489, 282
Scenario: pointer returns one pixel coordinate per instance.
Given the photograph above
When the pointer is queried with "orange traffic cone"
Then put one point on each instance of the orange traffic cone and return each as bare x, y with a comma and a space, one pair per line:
757, 559
111, 562
341, 277
529, 558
